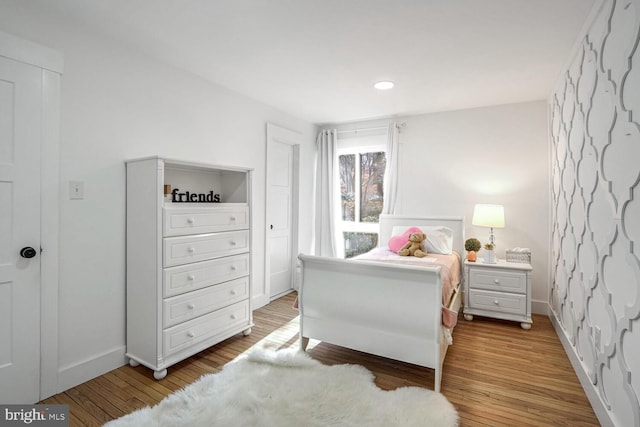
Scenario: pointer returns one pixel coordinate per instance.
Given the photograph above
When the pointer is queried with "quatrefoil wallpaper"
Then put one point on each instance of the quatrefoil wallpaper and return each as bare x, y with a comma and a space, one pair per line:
595, 236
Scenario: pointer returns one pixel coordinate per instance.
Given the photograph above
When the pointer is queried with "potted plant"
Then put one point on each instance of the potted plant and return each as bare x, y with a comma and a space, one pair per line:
489, 256
472, 246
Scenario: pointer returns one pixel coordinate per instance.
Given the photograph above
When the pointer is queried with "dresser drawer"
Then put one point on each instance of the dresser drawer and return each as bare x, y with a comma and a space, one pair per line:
179, 221
190, 277
201, 247
194, 304
208, 326
503, 281
498, 302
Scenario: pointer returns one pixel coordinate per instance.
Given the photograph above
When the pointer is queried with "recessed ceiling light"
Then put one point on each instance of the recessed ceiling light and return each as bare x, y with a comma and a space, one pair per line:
384, 85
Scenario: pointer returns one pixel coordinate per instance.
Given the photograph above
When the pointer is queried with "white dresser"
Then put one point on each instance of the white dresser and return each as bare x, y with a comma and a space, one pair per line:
188, 263
501, 290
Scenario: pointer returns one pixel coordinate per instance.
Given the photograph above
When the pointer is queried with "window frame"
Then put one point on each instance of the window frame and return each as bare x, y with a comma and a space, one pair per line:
357, 226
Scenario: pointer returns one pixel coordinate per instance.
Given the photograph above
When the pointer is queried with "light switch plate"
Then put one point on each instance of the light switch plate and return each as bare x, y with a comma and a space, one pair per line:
76, 190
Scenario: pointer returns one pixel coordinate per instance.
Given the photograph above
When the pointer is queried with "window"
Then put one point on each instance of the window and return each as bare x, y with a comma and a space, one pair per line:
361, 191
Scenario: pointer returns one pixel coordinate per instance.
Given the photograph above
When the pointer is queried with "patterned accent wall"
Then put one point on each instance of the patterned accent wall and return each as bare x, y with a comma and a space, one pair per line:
595, 241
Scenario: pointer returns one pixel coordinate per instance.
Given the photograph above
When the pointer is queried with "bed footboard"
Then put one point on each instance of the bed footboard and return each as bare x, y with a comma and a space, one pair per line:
388, 310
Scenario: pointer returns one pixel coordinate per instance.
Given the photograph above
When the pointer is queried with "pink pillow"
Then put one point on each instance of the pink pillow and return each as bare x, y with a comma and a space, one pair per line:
397, 242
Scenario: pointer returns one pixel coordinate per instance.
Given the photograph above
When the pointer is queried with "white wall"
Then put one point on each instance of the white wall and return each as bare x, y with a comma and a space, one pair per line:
595, 238
452, 160
116, 105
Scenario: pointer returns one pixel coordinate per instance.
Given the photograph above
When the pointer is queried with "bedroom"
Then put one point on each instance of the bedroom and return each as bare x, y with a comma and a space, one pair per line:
120, 103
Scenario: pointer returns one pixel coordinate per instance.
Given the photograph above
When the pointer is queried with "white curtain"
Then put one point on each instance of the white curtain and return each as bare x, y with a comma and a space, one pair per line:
390, 185
325, 200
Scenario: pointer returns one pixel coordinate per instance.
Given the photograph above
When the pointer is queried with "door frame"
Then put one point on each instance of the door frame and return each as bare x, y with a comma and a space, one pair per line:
52, 64
294, 139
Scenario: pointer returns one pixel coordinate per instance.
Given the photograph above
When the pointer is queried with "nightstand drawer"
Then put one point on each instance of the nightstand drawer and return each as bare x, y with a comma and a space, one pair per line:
501, 281
498, 301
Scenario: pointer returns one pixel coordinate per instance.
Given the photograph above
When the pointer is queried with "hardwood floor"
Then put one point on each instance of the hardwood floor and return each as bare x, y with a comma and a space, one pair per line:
495, 373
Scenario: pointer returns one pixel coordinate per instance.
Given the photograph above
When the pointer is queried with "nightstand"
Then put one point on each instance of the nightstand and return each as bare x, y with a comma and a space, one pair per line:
501, 290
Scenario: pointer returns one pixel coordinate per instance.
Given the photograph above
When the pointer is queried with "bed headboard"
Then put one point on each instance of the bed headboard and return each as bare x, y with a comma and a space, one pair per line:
387, 222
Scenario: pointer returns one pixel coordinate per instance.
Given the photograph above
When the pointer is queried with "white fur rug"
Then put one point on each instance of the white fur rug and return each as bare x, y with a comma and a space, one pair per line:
289, 388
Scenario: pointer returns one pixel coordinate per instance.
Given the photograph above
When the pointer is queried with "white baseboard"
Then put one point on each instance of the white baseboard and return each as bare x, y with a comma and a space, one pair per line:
71, 375
596, 403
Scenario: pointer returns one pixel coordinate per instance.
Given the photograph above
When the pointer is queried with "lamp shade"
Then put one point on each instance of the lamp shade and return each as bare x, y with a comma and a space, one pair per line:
488, 216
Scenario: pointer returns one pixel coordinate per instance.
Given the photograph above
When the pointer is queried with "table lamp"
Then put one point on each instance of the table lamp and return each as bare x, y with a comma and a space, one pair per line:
491, 216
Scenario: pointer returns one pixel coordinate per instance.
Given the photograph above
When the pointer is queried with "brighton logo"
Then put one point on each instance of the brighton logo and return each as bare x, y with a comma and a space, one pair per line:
38, 415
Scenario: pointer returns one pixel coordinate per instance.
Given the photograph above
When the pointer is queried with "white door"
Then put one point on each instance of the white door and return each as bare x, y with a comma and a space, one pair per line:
20, 133
281, 160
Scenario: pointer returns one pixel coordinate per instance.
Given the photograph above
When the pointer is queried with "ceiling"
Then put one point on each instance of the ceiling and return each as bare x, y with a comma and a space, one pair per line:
318, 59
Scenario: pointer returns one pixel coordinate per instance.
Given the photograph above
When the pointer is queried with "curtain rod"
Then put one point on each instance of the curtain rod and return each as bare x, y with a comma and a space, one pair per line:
363, 129
399, 125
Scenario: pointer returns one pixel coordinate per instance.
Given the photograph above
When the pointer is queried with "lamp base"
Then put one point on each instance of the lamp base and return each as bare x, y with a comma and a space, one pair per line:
489, 257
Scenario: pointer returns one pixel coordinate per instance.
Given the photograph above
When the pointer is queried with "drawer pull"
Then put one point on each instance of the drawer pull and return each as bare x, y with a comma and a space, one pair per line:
233, 291
233, 268
233, 317
191, 250
191, 334
497, 281
232, 242
191, 221
496, 302
232, 218
191, 277
191, 306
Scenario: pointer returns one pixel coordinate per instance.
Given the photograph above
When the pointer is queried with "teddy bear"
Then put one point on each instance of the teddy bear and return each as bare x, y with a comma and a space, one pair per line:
414, 246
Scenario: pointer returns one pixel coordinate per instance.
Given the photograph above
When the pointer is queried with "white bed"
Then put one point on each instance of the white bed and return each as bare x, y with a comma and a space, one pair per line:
382, 308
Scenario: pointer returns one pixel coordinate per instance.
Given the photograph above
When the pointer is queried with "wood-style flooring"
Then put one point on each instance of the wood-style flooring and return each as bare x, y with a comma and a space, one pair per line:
495, 373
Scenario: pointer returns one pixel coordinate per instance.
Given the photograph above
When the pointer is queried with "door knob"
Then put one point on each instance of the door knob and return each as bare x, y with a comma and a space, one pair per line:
27, 252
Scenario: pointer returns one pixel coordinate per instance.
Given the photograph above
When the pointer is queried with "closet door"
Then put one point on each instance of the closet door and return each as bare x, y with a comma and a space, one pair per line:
281, 251
20, 133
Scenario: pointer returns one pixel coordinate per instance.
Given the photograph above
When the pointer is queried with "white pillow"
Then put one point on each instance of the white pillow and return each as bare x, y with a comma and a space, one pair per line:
439, 238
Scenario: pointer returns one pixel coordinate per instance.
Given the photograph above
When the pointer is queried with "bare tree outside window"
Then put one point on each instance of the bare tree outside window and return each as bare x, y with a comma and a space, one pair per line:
371, 188
362, 196
348, 186
358, 243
